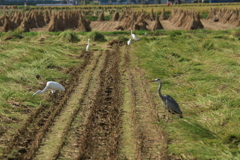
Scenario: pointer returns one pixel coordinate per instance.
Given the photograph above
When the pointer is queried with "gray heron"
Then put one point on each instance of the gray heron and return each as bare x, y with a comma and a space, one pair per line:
170, 104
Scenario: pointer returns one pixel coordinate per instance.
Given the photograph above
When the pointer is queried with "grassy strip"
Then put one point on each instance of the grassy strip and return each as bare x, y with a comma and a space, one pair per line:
200, 70
59, 132
26, 64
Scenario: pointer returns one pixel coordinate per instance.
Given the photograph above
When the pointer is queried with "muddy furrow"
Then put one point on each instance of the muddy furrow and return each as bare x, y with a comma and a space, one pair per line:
100, 137
157, 137
26, 141
131, 134
70, 149
149, 139
55, 138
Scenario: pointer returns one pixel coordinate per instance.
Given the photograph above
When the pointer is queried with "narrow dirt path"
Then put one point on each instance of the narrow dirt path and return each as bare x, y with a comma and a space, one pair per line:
150, 139
103, 114
55, 138
71, 147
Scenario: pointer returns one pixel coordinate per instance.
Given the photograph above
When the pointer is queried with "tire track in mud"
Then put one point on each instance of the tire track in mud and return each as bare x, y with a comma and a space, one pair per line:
54, 139
27, 139
100, 136
150, 139
107, 112
71, 148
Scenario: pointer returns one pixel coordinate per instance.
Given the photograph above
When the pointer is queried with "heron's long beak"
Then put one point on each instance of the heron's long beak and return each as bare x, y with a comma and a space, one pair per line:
151, 81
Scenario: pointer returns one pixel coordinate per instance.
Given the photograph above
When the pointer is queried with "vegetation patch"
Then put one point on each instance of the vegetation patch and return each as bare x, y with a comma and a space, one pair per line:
200, 73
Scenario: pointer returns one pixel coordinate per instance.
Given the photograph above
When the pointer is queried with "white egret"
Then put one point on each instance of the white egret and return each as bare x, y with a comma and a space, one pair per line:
88, 46
129, 42
134, 36
53, 86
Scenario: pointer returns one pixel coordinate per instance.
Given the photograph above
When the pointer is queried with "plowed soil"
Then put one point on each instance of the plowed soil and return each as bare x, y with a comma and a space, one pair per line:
103, 114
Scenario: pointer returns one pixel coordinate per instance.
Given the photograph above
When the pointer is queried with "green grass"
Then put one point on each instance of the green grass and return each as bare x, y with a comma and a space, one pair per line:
22, 60
200, 69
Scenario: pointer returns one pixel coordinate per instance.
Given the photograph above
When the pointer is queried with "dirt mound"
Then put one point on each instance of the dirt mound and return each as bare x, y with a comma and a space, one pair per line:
101, 16
152, 15
83, 25
60, 20
163, 15
115, 16
53, 24
34, 19
64, 20
188, 20
18, 18
234, 19
137, 21
46, 16
24, 25
157, 25
223, 15
2, 19
8, 25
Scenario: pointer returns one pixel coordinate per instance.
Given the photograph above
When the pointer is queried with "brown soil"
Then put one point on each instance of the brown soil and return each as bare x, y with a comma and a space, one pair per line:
104, 115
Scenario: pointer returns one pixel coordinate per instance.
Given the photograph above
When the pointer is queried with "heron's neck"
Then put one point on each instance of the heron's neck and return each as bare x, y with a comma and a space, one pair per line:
131, 31
159, 90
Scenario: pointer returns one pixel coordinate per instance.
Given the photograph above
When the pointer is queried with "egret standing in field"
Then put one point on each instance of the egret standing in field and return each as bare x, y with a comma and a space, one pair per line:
129, 42
134, 36
170, 104
88, 46
53, 86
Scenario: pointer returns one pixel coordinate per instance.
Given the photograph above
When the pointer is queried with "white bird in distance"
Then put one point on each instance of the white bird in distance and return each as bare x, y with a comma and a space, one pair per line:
88, 46
129, 42
134, 36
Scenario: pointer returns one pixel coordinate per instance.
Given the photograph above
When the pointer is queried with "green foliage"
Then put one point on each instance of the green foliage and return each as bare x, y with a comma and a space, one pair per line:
122, 38
91, 18
96, 36
30, 60
208, 45
69, 35
8, 94
4, 78
173, 34
199, 69
17, 34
